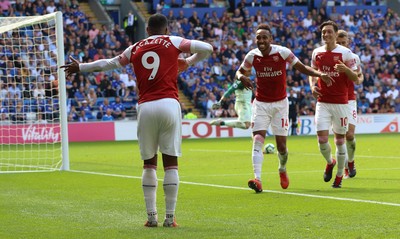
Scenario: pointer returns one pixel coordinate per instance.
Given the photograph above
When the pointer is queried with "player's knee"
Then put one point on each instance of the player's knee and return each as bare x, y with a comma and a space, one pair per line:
350, 136
259, 138
339, 141
322, 139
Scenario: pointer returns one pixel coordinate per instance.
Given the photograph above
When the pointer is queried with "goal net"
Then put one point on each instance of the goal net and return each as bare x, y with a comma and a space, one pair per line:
33, 118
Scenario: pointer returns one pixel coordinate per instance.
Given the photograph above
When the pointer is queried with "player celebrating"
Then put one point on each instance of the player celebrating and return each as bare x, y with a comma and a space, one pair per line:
242, 106
350, 169
155, 62
270, 106
331, 108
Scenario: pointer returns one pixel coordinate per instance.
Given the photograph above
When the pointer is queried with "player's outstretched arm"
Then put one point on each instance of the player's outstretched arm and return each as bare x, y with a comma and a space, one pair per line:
100, 65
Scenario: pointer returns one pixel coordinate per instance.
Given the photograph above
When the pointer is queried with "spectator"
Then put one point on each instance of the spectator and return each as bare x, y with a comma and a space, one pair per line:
85, 112
80, 96
18, 113
92, 97
108, 116
103, 108
118, 109
190, 115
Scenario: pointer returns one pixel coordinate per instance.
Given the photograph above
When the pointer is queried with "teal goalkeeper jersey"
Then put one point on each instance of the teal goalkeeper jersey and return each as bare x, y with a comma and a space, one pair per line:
242, 94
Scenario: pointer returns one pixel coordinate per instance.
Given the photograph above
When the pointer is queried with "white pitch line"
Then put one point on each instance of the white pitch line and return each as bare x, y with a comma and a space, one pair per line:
242, 188
290, 172
309, 154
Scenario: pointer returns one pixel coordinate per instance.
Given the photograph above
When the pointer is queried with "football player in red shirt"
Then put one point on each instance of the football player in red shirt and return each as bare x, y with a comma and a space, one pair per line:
332, 101
270, 106
350, 168
156, 64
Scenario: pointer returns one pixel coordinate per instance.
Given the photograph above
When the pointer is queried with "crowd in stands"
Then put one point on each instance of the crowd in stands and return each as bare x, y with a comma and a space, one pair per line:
28, 70
375, 38
29, 80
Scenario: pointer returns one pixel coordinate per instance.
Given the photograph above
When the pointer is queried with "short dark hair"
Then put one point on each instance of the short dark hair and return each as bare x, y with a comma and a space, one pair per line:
264, 26
329, 23
157, 24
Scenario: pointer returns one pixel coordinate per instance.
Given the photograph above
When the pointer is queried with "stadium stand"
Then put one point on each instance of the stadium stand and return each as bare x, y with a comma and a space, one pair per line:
229, 27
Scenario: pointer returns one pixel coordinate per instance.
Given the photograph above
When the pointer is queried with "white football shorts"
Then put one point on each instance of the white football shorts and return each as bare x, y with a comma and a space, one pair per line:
352, 104
274, 114
159, 127
331, 115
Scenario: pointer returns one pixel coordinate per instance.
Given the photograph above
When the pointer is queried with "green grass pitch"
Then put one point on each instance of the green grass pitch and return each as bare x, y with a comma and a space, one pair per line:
101, 197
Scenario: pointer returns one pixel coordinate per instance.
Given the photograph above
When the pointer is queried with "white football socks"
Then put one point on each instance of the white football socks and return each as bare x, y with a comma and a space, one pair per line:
325, 150
149, 185
257, 156
341, 158
171, 186
351, 148
282, 161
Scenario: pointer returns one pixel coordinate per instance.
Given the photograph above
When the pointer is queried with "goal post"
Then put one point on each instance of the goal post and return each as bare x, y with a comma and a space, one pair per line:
33, 99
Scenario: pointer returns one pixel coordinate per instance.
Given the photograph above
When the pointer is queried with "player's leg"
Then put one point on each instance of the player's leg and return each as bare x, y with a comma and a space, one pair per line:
170, 139
323, 123
232, 123
339, 127
244, 116
257, 160
341, 153
243, 110
283, 158
350, 139
149, 186
261, 119
170, 186
351, 148
148, 144
280, 129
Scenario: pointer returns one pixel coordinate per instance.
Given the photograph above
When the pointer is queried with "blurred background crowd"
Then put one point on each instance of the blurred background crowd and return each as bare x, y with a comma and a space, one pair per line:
374, 30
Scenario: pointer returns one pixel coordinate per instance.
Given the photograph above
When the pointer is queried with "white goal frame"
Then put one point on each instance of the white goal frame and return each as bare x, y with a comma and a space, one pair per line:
20, 22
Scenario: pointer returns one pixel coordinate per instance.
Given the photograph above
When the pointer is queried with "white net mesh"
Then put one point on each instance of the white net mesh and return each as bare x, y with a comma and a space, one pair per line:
30, 130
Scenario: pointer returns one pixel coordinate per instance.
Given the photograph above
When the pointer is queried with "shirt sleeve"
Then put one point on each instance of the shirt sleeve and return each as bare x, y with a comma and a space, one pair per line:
199, 49
107, 64
349, 60
288, 56
247, 64
313, 64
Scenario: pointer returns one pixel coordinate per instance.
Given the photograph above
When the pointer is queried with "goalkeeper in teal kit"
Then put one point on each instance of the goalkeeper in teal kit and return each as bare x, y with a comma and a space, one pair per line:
242, 106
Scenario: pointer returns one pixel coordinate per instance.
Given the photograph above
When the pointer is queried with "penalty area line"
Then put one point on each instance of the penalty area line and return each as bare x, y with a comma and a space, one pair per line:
247, 189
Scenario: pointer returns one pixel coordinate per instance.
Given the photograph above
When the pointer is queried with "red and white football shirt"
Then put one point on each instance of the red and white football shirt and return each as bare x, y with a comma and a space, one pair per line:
325, 61
270, 72
155, 64
352, 95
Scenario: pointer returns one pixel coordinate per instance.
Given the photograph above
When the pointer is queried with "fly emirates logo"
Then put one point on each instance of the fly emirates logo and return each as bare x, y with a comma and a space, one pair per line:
330, 71
269, 72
